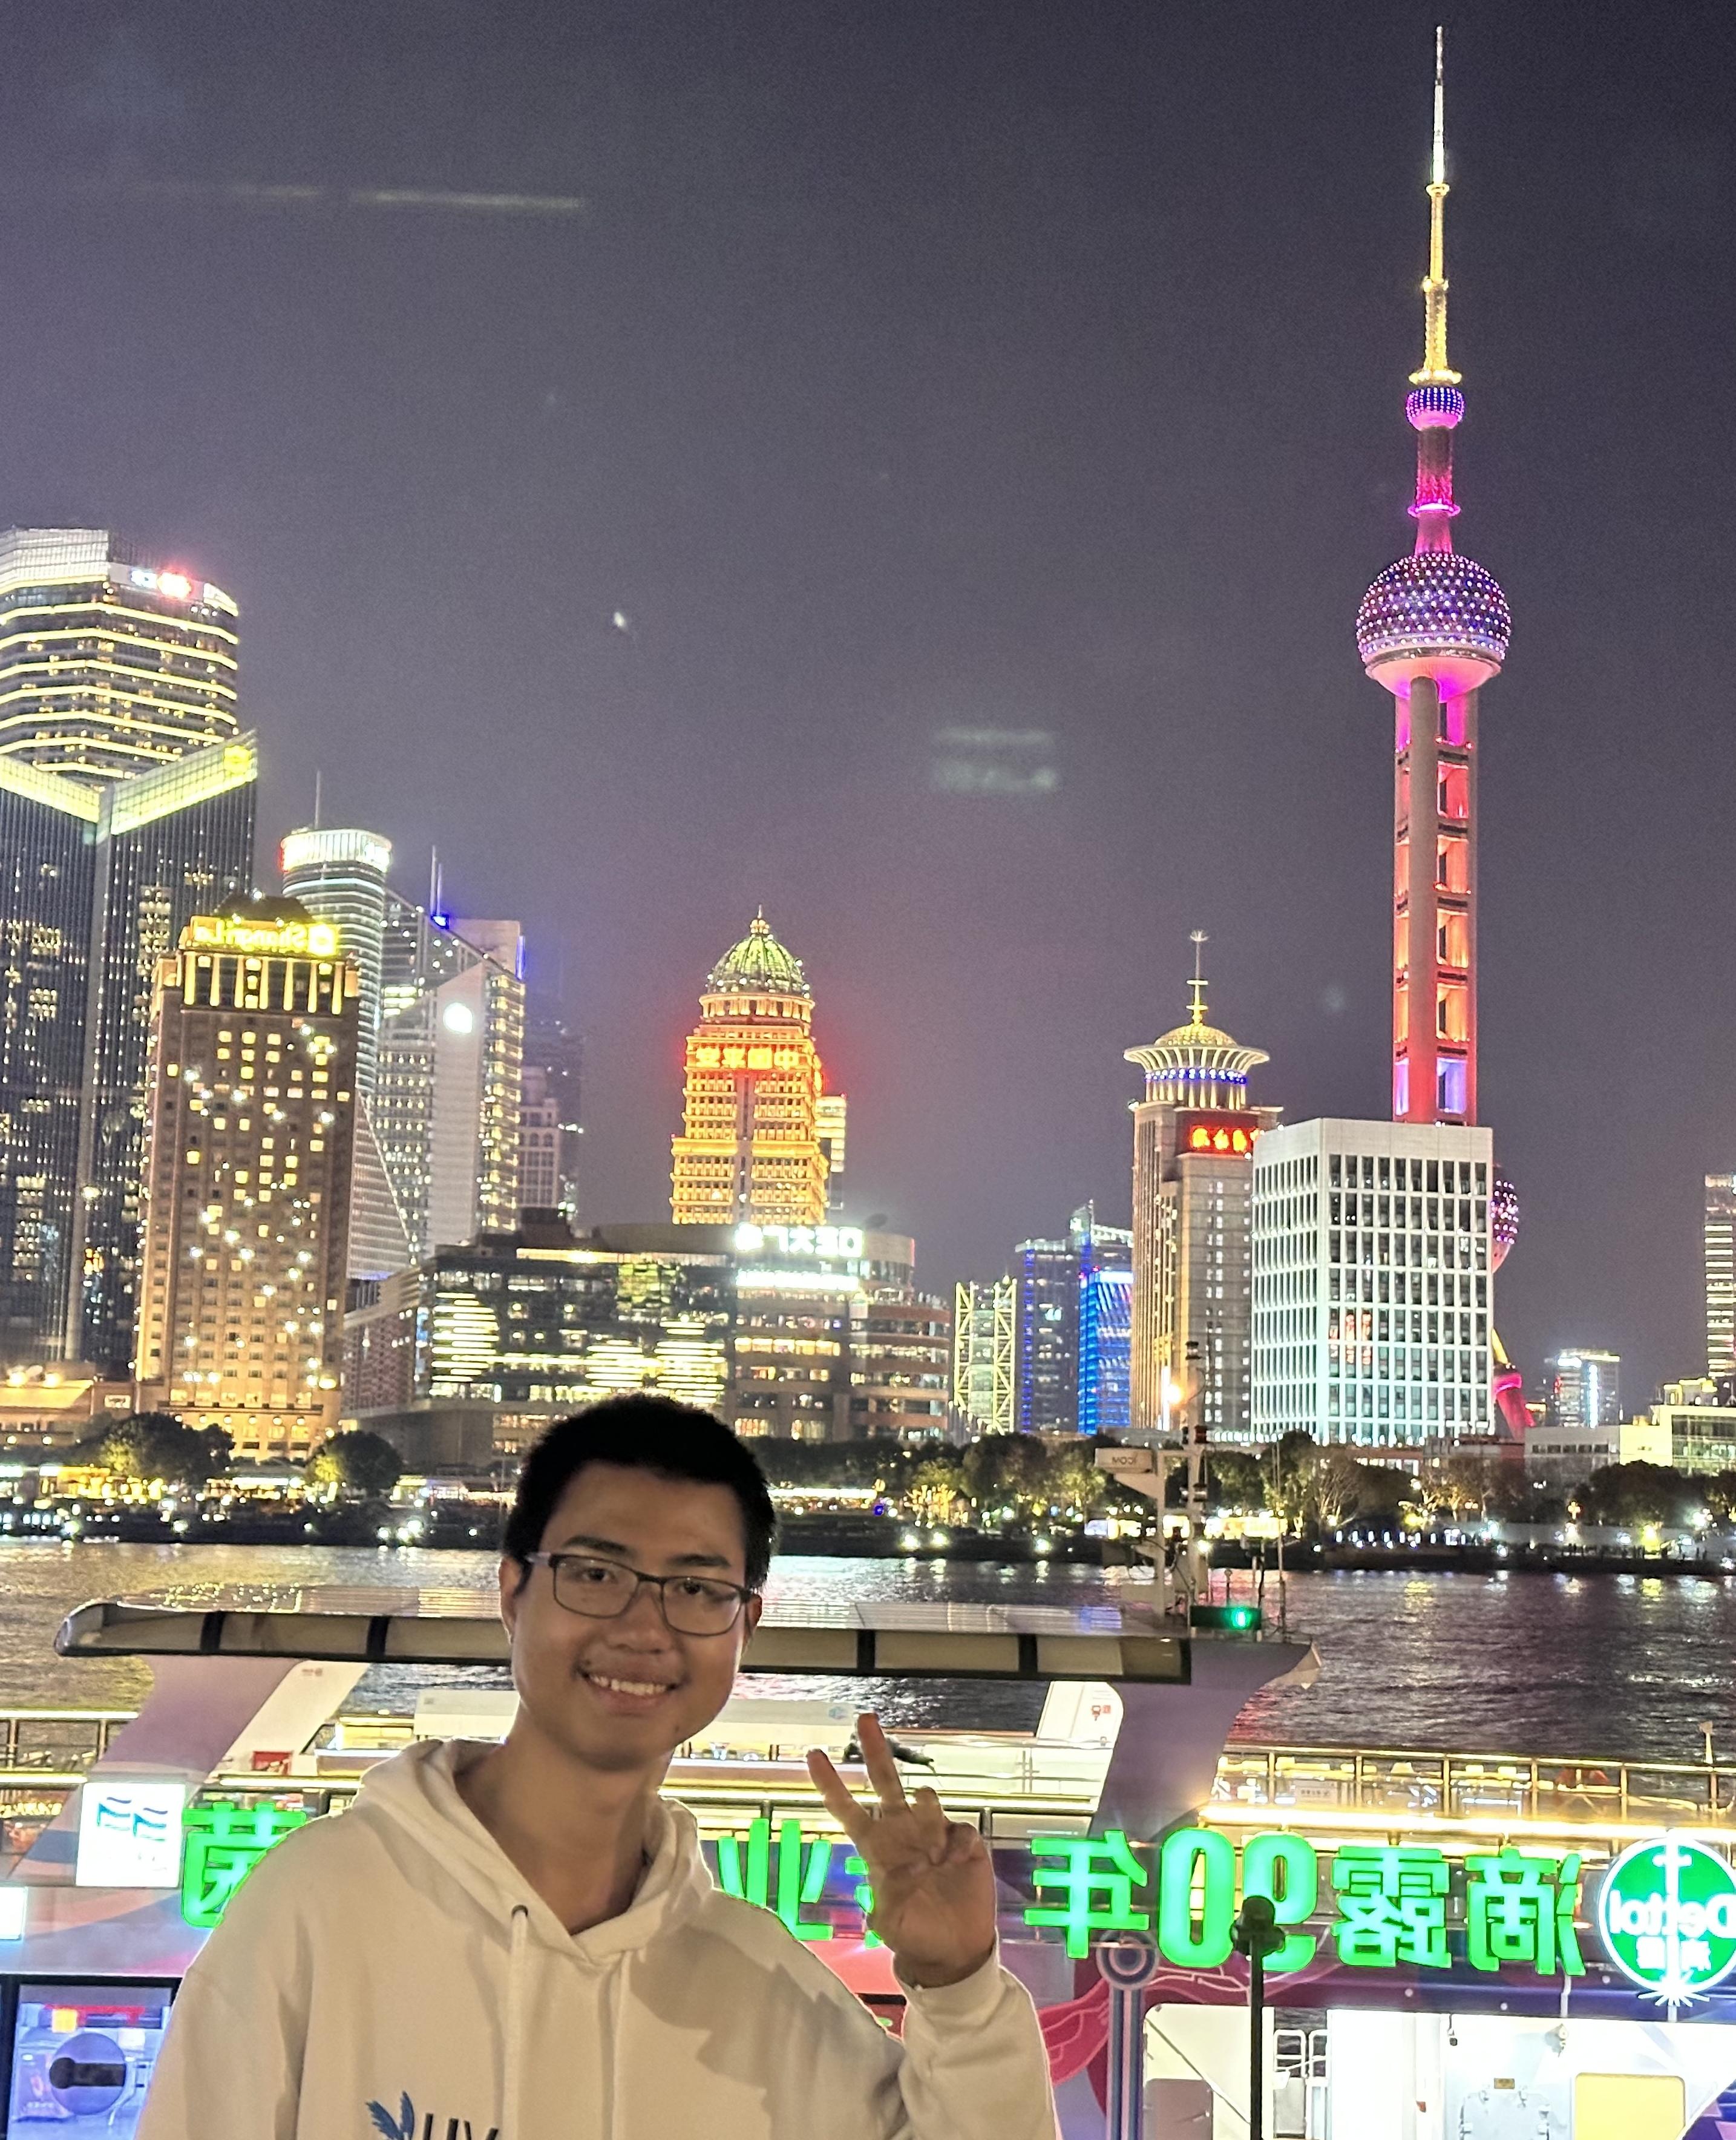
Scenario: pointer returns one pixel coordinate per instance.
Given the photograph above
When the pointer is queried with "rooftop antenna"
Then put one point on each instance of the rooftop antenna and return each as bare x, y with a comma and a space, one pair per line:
1436, 370
1198, 940
316, 798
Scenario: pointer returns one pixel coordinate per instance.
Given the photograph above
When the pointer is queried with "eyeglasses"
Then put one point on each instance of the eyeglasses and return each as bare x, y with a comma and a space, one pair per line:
604, 1590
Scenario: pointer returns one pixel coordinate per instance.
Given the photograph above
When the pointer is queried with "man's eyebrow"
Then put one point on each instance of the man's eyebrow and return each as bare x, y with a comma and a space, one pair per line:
582, 1541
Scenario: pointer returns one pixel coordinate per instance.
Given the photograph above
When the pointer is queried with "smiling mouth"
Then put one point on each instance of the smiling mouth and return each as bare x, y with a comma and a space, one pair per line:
642, 1687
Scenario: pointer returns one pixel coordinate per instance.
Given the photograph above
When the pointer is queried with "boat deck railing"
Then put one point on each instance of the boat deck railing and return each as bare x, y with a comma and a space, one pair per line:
1392, 1784
45, 1751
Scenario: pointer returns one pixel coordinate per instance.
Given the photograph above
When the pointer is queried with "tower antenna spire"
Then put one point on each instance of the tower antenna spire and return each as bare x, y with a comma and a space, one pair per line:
1436, 371
1198, 940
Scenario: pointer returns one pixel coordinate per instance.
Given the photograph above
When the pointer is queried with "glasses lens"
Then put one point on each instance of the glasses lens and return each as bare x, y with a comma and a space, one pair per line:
597, 1588
694, 1606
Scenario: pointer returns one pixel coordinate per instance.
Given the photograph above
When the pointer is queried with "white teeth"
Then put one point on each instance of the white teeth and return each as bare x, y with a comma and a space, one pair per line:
626, 1686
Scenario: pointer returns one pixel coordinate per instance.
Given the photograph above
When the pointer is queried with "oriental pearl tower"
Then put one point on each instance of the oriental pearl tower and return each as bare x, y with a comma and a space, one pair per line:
1432, 630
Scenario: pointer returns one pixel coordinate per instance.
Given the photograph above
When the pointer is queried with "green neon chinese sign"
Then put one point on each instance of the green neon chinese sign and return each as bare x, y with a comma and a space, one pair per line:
222, 1844
1389, 1903
744, 1868
1667, 1912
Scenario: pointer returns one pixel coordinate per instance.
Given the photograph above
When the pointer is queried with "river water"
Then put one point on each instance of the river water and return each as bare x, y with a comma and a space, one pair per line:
1617, 1666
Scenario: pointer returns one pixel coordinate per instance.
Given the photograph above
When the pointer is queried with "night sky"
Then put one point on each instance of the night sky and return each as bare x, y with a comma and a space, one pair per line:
1021, 367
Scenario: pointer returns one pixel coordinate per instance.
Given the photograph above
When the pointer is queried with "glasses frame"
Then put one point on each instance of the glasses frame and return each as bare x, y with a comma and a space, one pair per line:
660, 1583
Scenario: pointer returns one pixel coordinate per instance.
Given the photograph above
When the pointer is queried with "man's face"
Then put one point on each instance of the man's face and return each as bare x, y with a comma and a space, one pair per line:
623, 1694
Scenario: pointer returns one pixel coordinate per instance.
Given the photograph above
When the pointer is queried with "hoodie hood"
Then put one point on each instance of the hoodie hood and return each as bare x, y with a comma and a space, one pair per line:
416, 1792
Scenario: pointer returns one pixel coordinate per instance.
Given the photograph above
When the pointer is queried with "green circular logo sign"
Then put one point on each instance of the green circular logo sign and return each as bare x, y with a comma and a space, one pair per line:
1667, 1915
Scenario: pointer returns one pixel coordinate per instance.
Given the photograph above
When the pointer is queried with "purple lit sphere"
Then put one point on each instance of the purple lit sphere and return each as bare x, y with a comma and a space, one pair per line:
1503, 1217
1435, 606
1433, 408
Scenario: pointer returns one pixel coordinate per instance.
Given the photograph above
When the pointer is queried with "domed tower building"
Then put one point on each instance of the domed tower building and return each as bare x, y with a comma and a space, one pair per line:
1432, 630
1194, 1138
751, 1144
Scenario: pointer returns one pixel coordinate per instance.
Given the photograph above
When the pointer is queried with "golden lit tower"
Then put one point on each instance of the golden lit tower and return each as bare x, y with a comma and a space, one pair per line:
750, 1145
247, 1197
1432, 630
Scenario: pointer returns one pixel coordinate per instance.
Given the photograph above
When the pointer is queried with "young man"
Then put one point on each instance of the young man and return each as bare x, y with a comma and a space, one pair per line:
522, 1942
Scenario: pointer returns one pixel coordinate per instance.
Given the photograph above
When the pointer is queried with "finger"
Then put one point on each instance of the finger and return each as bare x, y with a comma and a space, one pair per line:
931, 1822
835, 1794
877, 1759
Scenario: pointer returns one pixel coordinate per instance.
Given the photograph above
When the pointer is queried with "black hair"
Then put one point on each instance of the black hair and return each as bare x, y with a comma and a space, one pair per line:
642, 1433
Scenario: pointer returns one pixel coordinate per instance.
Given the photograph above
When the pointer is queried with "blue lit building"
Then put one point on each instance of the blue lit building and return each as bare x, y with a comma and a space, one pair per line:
1045, 1337
1103, 1262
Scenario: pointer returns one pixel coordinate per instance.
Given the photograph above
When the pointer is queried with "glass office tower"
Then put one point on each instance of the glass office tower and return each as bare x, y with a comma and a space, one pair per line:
126, 807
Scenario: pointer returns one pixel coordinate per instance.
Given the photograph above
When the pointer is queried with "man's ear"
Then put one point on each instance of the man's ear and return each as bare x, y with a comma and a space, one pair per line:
755, 1605
511, 1577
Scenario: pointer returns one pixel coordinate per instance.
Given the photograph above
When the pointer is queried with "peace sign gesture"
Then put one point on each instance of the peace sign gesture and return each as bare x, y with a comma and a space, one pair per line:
933, 1878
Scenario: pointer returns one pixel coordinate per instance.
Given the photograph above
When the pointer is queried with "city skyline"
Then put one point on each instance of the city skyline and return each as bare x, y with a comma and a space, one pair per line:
1136, 633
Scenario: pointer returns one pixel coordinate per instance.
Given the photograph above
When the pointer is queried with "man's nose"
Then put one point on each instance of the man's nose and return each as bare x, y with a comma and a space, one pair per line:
643, 1615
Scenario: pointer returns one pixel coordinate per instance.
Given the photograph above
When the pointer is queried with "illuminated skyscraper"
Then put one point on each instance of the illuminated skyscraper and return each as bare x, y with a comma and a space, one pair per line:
1103, 1276
1584, 1388
1432, 630
449, 1081
252, 1103
1720, 1240
126, 807
1193, 1138
1373, 1273
984, 1315
109, 664
339, 875
550, 1133
750, 1147
1045, 1337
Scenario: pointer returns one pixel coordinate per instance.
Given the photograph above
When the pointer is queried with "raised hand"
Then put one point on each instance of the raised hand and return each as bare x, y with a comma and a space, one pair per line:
933, 1878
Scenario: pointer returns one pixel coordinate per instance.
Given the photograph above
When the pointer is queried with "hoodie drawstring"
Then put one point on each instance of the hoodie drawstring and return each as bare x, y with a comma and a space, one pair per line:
615, 2000
520, 1941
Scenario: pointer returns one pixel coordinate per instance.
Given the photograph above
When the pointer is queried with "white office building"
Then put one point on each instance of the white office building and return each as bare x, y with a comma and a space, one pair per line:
1372, 1282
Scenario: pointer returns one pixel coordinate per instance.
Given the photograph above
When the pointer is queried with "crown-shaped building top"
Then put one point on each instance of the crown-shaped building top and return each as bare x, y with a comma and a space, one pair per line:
1434, 613
758, 962
1196, 1064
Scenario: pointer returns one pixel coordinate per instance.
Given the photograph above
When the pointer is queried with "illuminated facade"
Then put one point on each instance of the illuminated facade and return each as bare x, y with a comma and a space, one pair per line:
1373, 1270
126, 807
831, 1337
1585, 1388
1193, 1140
984, 1321
338, 874
1103, 1259
1045, 1337
466, 1358
252, 1105
901, 1365
449, 1083
110, 664
750, 1147
97, 879
1432, 630
1720, 1252
549, 1129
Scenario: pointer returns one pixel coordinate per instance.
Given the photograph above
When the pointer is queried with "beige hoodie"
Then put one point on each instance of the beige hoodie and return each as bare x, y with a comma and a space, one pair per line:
391, 1976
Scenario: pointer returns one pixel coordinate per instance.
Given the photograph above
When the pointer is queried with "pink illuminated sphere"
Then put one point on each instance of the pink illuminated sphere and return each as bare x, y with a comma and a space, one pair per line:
1503, 1217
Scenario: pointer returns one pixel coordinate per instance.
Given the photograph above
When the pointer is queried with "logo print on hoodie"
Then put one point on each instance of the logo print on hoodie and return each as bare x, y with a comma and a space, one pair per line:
403, 2127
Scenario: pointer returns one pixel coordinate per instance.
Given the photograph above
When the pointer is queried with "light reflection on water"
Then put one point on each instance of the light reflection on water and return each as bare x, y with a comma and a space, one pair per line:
1629, 1668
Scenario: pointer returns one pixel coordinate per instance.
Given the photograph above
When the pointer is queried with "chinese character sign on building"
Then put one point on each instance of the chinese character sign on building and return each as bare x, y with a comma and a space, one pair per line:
1665, 1911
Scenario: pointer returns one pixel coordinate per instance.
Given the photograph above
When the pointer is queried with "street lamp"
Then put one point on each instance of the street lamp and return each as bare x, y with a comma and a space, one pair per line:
1257, 1934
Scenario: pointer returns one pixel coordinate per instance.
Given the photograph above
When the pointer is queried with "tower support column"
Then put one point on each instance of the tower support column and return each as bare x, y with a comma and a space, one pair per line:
1415, 938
